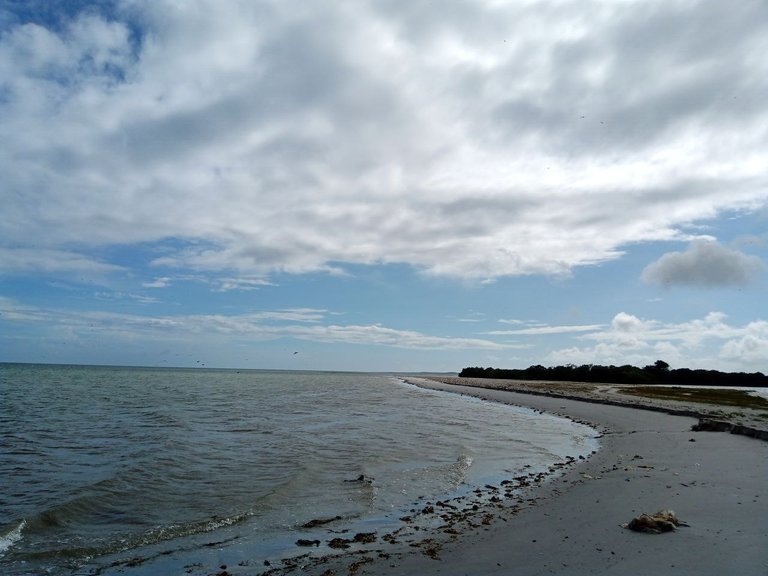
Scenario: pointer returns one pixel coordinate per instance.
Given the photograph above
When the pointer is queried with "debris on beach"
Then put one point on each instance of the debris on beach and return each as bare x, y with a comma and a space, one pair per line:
320, 522
355, 566
471, 511
305, 542
362, 479
661, 521
365, 537
429, 548
340, 543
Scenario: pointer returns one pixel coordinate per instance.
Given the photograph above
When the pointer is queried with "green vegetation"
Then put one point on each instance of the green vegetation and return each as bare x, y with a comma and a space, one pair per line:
656, 373
740, 398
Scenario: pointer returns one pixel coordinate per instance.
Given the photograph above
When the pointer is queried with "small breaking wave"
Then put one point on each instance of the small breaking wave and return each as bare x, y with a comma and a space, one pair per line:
79, 552
8, 539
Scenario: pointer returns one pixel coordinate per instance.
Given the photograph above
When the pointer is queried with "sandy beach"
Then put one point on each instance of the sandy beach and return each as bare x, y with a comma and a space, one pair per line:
572, 523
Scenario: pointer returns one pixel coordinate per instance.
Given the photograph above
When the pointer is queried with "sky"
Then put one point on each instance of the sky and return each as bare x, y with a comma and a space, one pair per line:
384, 186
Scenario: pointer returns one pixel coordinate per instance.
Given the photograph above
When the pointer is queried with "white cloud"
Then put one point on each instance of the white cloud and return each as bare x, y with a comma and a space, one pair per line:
474, 139
705, 264
624, 325
379, 335
302, 323
116, 296
544, 330
290, 315
624, 322
14, 311
219, 284
34, 260
163, 282
709, 342
229, 284
751, 347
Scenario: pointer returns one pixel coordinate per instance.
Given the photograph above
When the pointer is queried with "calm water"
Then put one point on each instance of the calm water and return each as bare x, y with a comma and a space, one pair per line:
103, 463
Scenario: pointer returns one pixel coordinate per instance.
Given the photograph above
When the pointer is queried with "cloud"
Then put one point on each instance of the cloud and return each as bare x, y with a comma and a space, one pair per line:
229, 284
14, 311
302, 323
117, 296
474, 139
290, 315
379, 335
218, 283
751, 346
709, 342
627, 327
706, 264
514, 321
163, 282
544, 330
624, 323
35, 260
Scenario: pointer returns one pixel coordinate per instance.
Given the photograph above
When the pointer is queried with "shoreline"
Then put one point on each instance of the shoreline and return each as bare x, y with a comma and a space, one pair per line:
715, 483
424, 523
572, 524
747, 422
434, 524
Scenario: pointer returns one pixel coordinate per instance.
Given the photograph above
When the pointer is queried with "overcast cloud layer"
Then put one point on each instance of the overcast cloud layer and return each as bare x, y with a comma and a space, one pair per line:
479, 139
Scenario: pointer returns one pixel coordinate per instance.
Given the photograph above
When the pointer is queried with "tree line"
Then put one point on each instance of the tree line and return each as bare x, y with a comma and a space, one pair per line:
657, 373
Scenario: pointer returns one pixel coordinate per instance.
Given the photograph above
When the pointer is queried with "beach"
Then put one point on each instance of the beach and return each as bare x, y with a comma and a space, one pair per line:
573, 523
264, 473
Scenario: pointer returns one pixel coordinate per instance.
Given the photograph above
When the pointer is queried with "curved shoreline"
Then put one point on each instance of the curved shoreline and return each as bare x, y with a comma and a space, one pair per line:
649, 460
570, 520
426, 526
709, 420
434, 525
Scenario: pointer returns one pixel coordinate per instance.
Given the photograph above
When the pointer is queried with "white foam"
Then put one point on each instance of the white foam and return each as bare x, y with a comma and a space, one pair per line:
9, 539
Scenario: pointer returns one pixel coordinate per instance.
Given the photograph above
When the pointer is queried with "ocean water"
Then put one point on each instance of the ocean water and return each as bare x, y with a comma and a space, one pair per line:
99, 464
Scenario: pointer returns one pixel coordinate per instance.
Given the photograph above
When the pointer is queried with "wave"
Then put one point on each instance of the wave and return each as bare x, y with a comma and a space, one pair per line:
81, 552
10, 538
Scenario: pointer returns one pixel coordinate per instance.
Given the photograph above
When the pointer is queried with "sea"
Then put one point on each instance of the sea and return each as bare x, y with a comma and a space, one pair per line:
107, 470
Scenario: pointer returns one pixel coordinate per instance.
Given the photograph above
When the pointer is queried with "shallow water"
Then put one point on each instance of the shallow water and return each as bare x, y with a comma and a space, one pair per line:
103, 463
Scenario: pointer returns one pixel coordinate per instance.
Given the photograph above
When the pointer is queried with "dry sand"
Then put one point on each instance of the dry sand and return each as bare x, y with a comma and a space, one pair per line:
716, 482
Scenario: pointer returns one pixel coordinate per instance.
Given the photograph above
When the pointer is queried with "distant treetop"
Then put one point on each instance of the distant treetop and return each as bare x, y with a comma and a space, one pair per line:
656, 373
